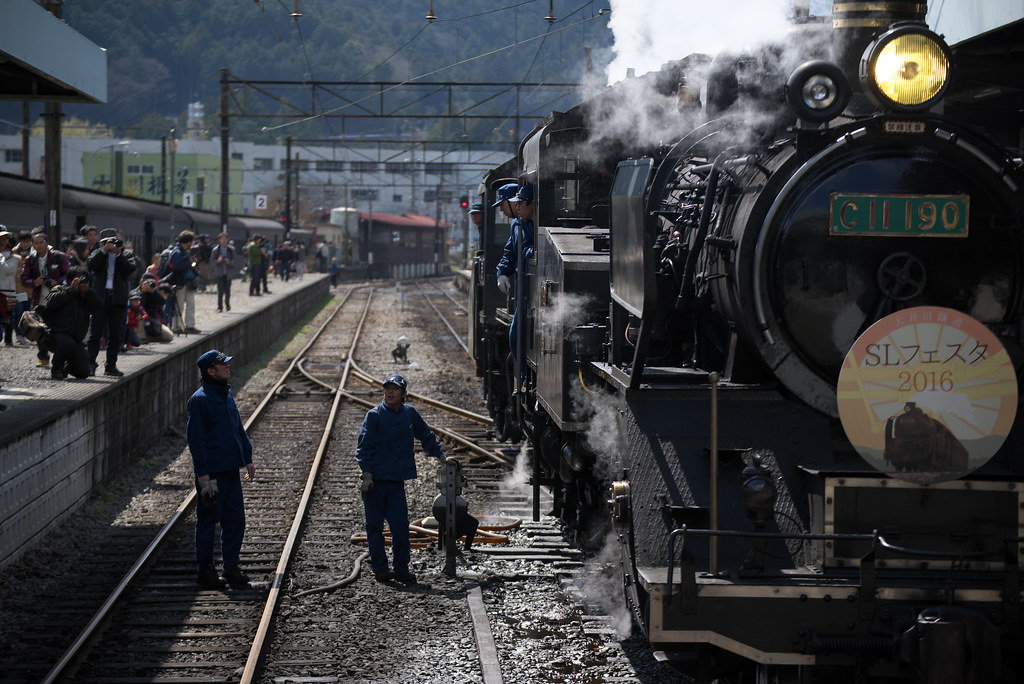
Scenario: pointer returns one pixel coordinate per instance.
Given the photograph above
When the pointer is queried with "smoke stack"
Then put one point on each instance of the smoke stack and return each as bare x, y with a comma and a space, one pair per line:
878, 15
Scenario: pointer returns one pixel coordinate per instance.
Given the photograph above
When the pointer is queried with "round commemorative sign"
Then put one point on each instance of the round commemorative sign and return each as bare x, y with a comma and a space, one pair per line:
927, 394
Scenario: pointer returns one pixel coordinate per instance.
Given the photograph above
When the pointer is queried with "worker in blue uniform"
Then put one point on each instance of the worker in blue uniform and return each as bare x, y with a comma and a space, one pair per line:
386, 457
518, 251
476, 215
220, 449
510, 254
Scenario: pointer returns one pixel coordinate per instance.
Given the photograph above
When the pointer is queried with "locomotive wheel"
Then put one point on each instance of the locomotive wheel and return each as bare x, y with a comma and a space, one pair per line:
515, 433
501, 421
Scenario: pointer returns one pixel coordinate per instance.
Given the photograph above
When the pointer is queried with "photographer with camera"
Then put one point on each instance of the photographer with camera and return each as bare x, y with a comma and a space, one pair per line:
109, 267
183, 276
153, 302
44, 269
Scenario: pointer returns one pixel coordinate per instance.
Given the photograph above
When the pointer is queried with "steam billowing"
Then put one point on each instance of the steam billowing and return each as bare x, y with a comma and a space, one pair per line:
698, 39
649, 33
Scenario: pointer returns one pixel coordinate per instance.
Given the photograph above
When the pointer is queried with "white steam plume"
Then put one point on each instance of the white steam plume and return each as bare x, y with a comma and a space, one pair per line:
603, 435
649, 33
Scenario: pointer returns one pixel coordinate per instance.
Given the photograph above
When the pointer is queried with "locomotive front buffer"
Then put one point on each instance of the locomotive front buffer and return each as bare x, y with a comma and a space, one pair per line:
918, 605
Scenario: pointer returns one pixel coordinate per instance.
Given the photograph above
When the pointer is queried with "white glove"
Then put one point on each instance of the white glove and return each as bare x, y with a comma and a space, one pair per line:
504, 284
208, 492
367, 484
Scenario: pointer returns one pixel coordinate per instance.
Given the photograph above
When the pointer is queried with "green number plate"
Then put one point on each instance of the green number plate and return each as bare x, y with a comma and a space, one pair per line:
899, 215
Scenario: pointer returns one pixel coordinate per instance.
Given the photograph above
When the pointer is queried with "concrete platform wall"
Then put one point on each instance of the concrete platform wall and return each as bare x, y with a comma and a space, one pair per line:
65, 445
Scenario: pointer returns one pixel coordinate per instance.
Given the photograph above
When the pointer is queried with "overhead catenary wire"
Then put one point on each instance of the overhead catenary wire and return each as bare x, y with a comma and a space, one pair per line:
414, 79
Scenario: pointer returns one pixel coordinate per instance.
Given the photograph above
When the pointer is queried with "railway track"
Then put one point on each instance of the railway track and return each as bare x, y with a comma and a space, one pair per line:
160, 627
157, 620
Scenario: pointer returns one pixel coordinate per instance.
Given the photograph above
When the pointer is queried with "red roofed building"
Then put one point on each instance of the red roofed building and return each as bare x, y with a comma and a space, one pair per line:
402, 246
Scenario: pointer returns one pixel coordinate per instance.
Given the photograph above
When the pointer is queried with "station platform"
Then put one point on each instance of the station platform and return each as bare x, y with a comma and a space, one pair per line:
59, 439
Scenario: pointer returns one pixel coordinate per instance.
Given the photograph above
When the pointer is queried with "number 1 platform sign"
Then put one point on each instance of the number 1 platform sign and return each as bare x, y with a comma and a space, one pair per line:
927, 394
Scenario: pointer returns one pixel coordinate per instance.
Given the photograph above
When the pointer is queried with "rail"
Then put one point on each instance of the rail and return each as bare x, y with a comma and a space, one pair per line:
76, 651
274, 595
444, 319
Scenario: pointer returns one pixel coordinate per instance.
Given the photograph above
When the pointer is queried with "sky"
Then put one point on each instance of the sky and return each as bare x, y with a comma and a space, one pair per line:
649, 33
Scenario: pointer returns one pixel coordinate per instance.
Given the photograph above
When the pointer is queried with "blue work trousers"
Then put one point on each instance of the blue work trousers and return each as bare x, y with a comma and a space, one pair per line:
229, 511
387, 502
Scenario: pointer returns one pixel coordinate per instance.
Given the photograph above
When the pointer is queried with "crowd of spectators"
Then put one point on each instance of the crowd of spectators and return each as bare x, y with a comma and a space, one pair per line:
96, 294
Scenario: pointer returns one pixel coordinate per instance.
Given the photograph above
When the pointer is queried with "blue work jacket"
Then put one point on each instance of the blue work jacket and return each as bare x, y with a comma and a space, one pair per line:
385, 447
216, 437
523, 230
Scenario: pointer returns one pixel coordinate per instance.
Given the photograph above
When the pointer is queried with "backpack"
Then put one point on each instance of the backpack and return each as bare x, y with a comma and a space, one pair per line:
164, 267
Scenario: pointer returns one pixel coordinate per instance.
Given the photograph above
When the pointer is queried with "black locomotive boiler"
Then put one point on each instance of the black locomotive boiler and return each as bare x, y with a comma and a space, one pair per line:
731, 341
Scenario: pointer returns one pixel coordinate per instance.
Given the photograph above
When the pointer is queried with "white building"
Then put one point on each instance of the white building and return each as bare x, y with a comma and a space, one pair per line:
364, 175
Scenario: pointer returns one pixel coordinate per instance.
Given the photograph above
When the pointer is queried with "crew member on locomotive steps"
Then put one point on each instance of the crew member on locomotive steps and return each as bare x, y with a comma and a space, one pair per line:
386, 457
518, 250
476, 215
220, 448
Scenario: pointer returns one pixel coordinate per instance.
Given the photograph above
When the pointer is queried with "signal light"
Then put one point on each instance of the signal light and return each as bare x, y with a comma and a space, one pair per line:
464, 201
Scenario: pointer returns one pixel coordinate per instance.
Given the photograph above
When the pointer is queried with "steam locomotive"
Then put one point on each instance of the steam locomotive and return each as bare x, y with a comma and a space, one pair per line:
774, 363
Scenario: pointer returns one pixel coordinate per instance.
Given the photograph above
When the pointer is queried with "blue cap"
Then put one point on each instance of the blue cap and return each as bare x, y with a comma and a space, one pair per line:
396, 380
476, 209
505, 192
525, 194
211, 359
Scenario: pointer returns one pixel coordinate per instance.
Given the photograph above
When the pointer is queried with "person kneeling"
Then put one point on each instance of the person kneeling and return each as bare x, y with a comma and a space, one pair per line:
66, 310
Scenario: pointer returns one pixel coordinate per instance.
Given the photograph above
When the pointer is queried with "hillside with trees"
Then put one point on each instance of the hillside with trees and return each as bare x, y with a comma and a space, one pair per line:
164, 55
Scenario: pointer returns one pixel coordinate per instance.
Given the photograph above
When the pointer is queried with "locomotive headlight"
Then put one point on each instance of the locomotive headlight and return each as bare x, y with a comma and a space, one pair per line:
818, 91
907, 68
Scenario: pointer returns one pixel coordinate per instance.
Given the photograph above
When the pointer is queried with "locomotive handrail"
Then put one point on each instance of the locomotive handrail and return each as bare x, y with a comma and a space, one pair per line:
875, 538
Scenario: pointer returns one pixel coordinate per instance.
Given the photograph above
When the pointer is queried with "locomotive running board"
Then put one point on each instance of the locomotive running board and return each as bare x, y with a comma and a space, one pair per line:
659, 635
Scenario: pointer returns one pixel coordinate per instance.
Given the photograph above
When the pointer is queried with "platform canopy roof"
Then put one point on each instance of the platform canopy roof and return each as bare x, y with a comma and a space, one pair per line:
42, 58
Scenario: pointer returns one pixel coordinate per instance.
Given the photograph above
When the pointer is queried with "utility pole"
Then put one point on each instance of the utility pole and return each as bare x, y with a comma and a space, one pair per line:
172, 149
26, 136
51, 176
163, 168
52, 114
225, 152
437, 227
298, 202
288, 186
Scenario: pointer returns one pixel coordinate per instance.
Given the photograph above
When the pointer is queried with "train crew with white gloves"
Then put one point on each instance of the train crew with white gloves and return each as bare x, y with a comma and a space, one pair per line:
386, 456
220, 449
518, 250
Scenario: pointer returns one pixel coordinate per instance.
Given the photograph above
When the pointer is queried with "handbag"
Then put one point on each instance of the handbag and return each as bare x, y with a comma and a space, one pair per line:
33, 325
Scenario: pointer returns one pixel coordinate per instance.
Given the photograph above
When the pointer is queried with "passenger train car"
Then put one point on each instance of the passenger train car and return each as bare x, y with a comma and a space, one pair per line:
146, 223
773, 363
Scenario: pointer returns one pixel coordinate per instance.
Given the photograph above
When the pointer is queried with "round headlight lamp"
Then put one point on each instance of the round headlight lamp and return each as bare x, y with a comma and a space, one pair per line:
906, 69
818, 91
